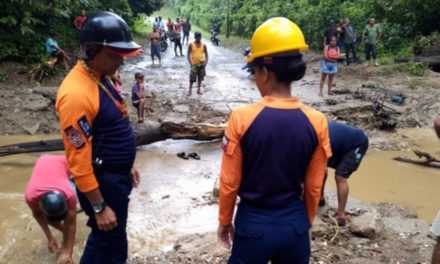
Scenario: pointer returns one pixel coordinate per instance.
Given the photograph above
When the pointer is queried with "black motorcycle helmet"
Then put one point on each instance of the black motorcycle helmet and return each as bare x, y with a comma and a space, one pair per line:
197, 34
54, 205
107, 29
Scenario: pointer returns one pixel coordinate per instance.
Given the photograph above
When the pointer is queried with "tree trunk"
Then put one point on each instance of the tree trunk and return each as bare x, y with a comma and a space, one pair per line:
146, 133
429, 161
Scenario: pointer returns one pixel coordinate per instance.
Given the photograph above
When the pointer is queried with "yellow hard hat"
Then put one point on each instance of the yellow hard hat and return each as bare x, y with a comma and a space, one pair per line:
276, 35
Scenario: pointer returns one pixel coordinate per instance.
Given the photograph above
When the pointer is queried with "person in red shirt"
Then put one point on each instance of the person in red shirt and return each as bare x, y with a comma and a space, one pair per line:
50, 196
79, 20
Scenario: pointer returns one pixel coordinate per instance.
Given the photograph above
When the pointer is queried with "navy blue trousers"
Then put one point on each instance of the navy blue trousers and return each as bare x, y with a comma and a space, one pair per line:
370, 49
280, 235
108, 247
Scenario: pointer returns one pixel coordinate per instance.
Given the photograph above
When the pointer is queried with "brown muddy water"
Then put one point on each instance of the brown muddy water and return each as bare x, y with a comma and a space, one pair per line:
174, 199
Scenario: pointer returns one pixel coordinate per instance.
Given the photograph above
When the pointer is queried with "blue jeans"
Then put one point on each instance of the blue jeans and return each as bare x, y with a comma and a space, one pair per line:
108, 247
280, 235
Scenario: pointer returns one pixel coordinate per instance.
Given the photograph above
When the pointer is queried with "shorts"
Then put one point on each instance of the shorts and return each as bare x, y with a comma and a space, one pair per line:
186, 34
155, 50
329, 67
351, 160
197, 72
54, 54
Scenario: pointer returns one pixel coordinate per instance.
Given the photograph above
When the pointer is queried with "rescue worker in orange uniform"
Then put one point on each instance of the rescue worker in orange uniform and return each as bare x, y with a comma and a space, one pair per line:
271, 149
98, 137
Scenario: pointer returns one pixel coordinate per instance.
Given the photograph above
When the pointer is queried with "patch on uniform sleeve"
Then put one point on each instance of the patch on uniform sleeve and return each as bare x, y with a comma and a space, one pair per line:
74, 137
85, 127
225, 142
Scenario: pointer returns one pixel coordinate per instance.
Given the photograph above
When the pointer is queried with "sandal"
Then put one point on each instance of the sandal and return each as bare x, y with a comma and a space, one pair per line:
194, 156
334, 220
182, 155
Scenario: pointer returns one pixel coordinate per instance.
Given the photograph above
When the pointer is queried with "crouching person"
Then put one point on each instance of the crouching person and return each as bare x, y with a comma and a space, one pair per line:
52, 200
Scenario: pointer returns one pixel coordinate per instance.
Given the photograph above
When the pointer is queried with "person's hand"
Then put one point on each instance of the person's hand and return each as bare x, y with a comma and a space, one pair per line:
225, 235
65, 258
363, 43
106, 220
53, 245
205, 63
142, 100
136, 177
377, 42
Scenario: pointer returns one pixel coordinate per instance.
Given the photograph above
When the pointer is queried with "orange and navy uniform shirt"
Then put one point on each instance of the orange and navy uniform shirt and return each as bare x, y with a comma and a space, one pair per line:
94, 129
271, 149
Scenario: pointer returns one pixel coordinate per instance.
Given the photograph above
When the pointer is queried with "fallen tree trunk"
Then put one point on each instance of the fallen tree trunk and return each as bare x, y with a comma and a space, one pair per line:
429, 161
146, 133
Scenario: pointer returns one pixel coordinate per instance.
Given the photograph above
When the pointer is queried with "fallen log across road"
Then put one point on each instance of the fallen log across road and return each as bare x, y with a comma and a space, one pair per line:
146, 133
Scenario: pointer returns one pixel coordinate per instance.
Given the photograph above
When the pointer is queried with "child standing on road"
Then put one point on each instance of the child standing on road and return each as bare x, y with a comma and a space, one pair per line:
329, 65
137, 96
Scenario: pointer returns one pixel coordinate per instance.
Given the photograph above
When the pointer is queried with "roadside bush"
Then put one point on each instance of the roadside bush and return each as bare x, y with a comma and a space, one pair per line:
414, 68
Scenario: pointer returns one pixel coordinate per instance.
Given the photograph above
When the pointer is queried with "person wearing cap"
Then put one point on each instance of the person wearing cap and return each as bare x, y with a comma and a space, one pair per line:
52, 200
137, 95
198, 59
330, 32
98, 137
271, 149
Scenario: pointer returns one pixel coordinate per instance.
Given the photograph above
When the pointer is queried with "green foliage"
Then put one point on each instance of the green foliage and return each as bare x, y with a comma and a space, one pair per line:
3, 76
25, 24
427, 41
386, 59
414, 68
145, 6
400, 20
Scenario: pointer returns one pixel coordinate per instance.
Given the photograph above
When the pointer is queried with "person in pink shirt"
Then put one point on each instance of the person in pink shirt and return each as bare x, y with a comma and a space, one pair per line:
52, 199
329, 65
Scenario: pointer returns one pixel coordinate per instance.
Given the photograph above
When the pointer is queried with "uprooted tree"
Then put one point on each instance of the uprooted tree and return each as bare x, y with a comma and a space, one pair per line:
146, 133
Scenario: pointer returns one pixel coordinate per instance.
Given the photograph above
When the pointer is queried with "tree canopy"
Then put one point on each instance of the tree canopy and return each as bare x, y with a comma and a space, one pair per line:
25, 24
401, 20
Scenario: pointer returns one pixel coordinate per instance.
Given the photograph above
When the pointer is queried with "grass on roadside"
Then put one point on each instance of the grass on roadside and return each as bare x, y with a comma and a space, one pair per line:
141, 28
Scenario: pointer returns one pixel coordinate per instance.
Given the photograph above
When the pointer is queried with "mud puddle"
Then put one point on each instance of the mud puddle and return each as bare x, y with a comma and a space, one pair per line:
381, 179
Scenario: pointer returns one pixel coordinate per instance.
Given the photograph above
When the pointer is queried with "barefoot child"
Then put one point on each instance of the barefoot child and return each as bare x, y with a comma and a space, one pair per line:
137, 96
329, 65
